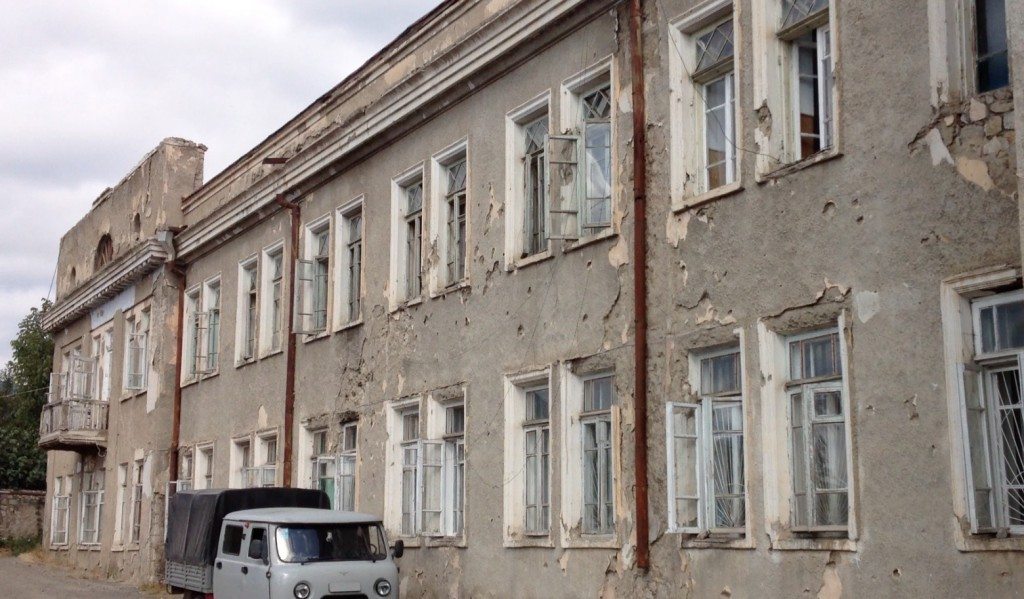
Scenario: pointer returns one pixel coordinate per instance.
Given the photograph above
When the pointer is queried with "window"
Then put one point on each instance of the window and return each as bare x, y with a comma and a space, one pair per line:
123, 505
60, 509
91, 502
993, 415
241, 461
413, 240
195, 321
705, 457
137, 342
526, 193
454, 469
264, 474
817, 416
104, 252
598, 496
347, 468
136, 530
406, 265
716, 86
248, 315
233, 536
271, 318
537, 448
324, 466
580, 173
992, 68
448, 216
103, 351
812, 62
410, 431
211, 301
350, 263
258, 534
204, 467
186, 469
313, 275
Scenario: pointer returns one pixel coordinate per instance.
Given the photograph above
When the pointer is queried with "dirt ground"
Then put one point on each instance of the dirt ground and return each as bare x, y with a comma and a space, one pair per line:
26, 576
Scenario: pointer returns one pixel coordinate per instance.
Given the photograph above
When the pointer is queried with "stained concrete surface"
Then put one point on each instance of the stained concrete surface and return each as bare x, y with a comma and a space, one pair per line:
23, 578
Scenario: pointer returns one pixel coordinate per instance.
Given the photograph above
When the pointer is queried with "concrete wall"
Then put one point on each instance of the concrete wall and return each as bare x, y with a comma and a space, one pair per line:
21, 514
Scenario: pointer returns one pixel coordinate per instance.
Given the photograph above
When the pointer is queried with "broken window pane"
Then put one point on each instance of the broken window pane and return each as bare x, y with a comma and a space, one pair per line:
992, 57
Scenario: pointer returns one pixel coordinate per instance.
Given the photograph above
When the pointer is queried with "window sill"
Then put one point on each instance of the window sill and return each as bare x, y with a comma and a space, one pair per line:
793, 167
407, 304
583, 242
58, 547
592, 542
691, 541
531, 260
814, 545
271, 353
350, 325
245, 362
453, 288
445, 541
685, 203
89, 547
523, 540
198, 379
968, 543
312, 337
126, 396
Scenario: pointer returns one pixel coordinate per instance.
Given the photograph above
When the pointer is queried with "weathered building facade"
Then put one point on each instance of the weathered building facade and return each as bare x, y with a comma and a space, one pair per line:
418, 295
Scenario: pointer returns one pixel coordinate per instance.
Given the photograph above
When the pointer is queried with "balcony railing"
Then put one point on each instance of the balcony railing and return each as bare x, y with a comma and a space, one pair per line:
72, 423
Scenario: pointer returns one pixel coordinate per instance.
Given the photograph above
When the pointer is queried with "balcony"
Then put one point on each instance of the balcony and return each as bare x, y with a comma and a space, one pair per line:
72, 420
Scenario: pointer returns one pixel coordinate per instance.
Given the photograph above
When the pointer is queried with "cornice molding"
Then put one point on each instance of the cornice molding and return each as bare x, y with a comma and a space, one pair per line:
444, 73
107, 283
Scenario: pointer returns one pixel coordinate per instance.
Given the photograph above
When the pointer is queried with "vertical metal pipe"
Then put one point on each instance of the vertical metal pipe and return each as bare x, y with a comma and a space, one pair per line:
178, 273
289, 382
643, 550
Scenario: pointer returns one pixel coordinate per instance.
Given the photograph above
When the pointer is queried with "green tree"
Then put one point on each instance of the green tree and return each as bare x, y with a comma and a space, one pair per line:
23, 386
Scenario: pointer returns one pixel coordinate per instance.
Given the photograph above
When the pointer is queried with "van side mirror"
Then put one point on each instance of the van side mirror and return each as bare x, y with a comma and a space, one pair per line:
399, 549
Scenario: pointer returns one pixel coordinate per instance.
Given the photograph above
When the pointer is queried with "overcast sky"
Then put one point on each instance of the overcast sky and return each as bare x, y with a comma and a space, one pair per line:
88, 87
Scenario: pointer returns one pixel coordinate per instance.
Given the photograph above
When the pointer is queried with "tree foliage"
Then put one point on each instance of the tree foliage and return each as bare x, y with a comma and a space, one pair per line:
23, 384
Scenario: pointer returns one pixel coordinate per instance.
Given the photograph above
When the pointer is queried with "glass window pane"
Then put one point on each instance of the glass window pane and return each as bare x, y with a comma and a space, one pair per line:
537, 404
1010, 324
828, 403
727, 464
684, 476
597, 394
988, 329
720, 374
798, 449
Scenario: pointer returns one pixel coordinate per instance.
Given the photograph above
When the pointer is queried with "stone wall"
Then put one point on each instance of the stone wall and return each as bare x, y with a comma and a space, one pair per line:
21, 514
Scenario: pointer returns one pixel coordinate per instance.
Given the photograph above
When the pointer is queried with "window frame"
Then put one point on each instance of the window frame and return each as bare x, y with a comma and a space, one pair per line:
273, 290
247, 330
213, 338
399, 293
516, 178
60, 510
85, 492
572, 92
443, 228
307, 286
345, 313
515, 529
138, 324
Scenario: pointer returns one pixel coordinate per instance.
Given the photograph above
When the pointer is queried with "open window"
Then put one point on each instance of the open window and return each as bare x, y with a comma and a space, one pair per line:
246, 336
349, 275
526, 212
312, 280
136, 352
406, 265
449, 208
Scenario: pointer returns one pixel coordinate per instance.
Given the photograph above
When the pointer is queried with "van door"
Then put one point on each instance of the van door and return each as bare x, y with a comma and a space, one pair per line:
255, 564
227, 573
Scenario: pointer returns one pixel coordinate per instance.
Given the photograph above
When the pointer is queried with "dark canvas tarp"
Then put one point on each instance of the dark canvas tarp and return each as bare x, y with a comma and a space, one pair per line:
194, 517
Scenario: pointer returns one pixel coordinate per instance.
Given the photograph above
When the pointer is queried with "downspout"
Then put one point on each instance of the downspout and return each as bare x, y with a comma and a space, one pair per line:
178, 272
643, 549
289, 382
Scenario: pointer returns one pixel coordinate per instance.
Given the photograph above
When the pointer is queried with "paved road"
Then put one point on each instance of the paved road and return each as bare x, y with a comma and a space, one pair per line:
30, 580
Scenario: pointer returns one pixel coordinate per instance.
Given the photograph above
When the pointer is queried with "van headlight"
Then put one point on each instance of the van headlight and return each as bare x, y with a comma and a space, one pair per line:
301, 590
383, 587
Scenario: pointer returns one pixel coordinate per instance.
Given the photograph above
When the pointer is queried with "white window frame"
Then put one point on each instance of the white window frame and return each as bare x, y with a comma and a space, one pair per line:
773, 350
138, 487
516, 387
706, 535
571, 386
213, 333
779, 153
393, 476
205, 455
686, 100
238, 477
826, 116
247, 328
347, 467
398, 293
265, 473
86, 491
438, 214
103, 353
60, 511
192, 340
268, 332
516, 196
344, 315
572, 92
138, 327
305, 296
961, 298
122, 507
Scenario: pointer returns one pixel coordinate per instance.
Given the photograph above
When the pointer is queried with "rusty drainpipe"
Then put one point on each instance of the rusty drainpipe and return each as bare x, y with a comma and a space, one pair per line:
289, 381
643, 549
179, 274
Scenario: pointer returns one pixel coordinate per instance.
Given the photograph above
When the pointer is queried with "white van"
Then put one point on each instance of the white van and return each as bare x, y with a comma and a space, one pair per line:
304, 553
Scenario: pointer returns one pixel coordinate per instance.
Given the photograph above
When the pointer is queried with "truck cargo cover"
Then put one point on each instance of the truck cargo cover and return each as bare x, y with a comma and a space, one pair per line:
194, 517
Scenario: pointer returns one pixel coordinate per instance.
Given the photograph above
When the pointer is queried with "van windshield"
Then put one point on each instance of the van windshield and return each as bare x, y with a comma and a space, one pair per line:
331, 543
